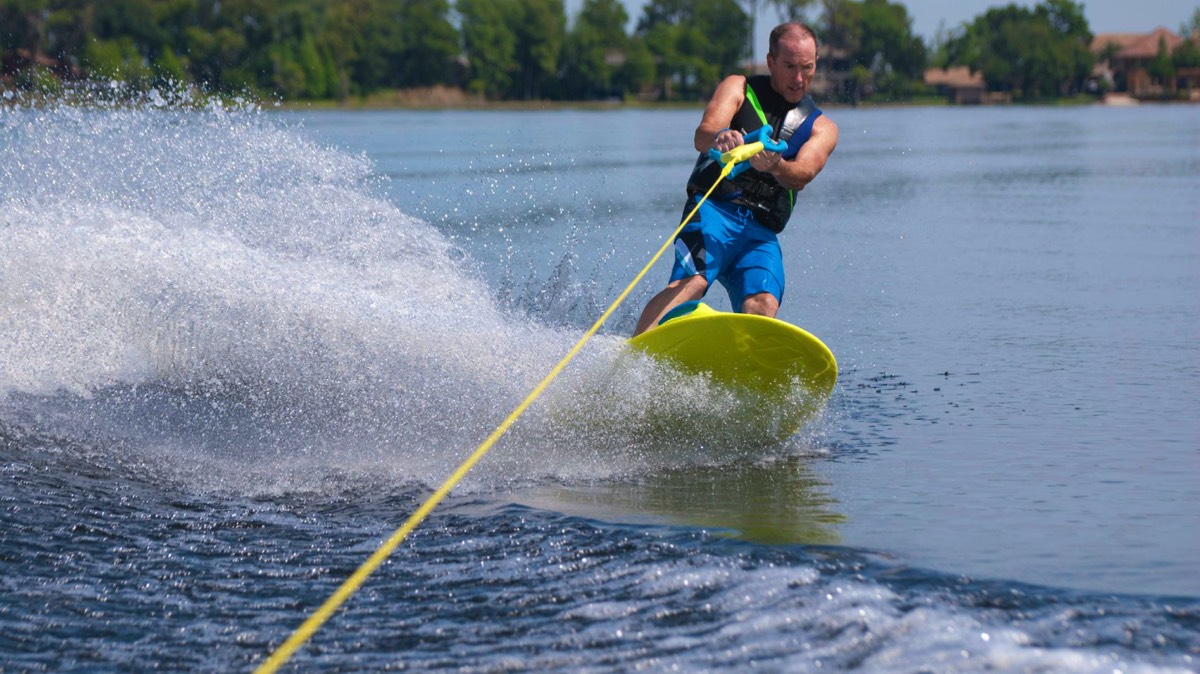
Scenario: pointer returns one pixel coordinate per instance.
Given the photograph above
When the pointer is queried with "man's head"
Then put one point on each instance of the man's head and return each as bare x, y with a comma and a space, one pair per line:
792, 59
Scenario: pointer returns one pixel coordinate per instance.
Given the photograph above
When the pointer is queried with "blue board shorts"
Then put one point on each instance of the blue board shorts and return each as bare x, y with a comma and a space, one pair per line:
724, 242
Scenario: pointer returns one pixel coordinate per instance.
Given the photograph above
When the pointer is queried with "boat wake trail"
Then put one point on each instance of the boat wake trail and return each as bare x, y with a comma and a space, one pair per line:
207, 283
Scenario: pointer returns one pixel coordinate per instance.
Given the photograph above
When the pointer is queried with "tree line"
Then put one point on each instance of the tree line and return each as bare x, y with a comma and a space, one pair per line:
518, 49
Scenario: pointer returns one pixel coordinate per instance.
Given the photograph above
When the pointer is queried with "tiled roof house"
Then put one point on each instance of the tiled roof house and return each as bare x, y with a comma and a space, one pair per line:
957, 83
1127, 68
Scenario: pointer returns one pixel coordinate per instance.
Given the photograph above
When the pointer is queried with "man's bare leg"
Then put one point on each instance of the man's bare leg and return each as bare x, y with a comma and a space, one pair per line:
676, 293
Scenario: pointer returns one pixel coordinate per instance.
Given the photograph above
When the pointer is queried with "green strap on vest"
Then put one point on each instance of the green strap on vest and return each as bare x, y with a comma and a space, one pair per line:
753, 98
762, 116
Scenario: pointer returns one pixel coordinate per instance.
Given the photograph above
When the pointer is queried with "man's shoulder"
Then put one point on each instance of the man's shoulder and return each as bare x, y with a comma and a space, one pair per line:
731, 89
826, 130
738, 81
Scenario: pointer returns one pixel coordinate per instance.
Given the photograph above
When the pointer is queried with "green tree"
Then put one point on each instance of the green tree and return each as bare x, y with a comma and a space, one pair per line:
885, 58
214, 53
324, 48
136, 20
540, 27
1186, 55
168, 67
174, 16
898, 57
378, 43
792, 10
490, 45
338, 36
429, 43
309, 58
840, 24
727, 53
1186, 58
637, 74
1109, 51
68, 29
1033, 54
1071, 40
293, 58
694, 43
596, 48
117, 59
39, 29
1161, 67
287, 75
23, 25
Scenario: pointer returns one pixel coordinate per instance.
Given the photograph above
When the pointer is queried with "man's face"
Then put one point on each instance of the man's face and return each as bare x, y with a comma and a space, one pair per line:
793, 65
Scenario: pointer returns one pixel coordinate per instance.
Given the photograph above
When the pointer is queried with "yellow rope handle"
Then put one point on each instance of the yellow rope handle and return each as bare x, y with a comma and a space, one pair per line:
309, 627
740, 154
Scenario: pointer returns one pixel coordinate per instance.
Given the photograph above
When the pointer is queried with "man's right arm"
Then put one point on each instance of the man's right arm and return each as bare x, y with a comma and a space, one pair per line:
718, 115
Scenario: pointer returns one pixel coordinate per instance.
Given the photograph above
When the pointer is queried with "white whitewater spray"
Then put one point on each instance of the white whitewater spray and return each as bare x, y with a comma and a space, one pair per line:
203, 275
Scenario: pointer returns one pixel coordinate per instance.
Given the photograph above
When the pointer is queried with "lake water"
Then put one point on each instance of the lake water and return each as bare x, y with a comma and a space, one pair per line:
239, 347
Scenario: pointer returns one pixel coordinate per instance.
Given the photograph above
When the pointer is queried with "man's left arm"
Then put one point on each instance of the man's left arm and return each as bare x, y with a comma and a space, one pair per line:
798, 171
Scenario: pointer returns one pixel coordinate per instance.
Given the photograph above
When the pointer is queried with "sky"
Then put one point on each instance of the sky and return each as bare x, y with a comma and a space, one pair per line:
1104, 16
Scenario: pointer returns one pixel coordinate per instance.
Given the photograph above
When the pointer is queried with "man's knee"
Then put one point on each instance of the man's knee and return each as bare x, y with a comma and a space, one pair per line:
761, 304
691, 285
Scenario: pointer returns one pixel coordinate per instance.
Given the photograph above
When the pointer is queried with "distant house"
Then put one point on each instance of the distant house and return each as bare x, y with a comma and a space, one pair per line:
833, 79
958, 84
1123, 63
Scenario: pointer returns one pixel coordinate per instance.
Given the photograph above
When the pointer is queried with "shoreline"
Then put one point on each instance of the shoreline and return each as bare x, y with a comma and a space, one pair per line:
446, 98
607, 106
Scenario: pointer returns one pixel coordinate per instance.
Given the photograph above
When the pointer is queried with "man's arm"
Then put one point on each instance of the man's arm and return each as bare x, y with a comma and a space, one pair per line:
718, 115
798, 171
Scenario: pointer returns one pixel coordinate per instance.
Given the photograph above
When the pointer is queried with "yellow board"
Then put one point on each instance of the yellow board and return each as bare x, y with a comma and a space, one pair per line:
779, 363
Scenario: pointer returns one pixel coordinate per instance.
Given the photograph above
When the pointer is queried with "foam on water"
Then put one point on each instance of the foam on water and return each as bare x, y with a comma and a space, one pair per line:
207, 277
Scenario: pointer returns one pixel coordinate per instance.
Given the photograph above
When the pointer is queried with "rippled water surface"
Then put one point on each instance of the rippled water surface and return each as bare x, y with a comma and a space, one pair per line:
238, 348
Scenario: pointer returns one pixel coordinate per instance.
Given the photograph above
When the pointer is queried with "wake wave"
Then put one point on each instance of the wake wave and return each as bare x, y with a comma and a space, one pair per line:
214, 278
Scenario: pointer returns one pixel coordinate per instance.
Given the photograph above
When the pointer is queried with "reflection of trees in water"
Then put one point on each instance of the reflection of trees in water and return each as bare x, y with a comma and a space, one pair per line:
777, 502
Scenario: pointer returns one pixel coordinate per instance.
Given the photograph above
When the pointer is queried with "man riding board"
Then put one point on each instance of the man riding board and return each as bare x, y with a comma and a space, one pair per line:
732, 238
